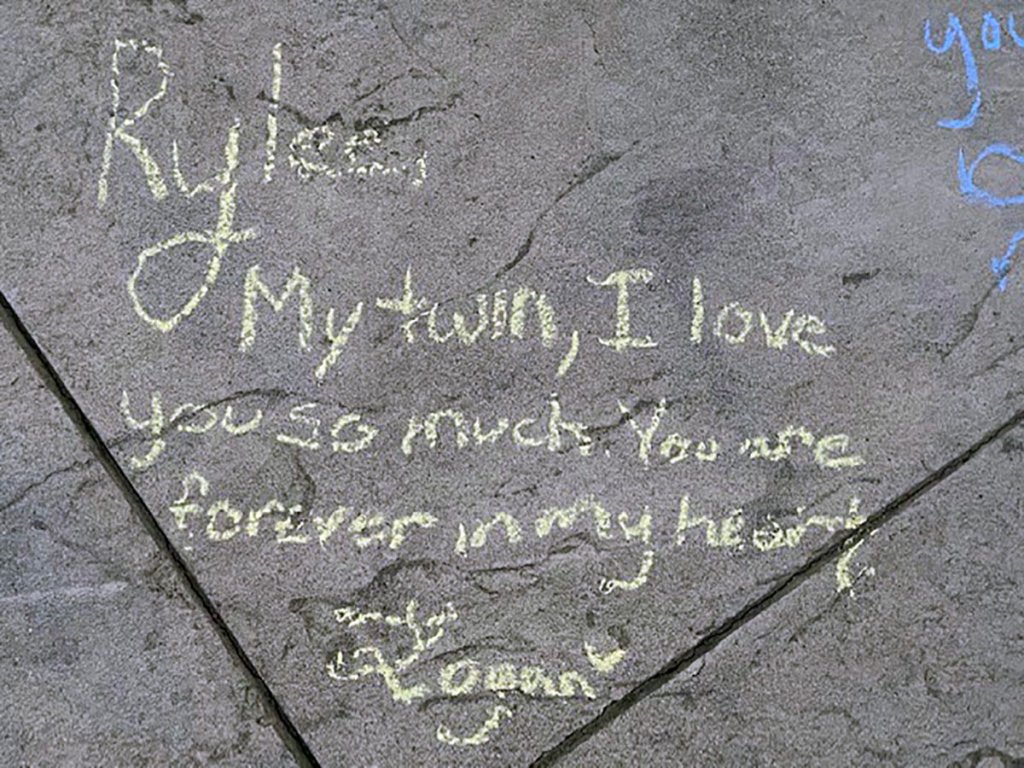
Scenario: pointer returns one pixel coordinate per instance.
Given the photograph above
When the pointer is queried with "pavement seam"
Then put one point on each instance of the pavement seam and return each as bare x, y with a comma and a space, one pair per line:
286, 730
783, 586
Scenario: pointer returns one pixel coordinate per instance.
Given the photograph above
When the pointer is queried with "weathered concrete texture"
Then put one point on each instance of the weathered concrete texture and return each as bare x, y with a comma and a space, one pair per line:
786, 153
106, 661
921, 664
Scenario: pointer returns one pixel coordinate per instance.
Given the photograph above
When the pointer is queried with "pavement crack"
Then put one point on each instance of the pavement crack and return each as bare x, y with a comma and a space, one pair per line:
273, 394
968, 323
593, 43
988, 755
599, 433
27, 489
782, 586
305, 120
998, 360
308, 485
282, 723
380, 85
593, 166
856, 278
804, 627
413, 51
383, 124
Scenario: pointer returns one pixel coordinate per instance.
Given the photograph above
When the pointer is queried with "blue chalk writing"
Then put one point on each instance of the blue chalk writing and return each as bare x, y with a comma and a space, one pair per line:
955, 32
991, 34
968, 187
1001, 266
1011, 27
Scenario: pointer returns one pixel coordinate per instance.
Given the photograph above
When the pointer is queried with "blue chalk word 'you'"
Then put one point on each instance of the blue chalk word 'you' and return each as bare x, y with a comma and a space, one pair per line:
991, 35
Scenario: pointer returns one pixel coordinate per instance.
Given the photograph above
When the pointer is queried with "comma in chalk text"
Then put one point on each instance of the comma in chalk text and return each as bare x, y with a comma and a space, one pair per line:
509, 314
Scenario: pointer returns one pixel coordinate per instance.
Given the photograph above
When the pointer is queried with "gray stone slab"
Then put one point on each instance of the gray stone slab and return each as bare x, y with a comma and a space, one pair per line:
785, 154
920, 664
106, 660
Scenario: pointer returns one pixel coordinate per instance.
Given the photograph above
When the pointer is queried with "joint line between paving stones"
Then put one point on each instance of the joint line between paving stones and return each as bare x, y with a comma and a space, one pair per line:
286, 730
784, 585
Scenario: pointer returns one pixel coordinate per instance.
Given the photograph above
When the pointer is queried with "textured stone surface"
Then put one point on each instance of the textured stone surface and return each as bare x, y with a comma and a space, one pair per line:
107, 661
921, 665
784, 153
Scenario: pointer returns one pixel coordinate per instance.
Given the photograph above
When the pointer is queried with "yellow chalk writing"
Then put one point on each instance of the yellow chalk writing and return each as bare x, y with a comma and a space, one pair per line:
275, 97
117, 129
482, 735
566, 517
228, 422
570, 355
422, 635
809, 324
155, 425
183, 507
338, 339
733, 532
775, 338
697, 321
367, 434
609, 585
478, 539
226, 520
623, 338
194, 425
220, 238
297, 414
255, 287
505, 677
561, 433
603, 662
673, 447
830, 451
312, 153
